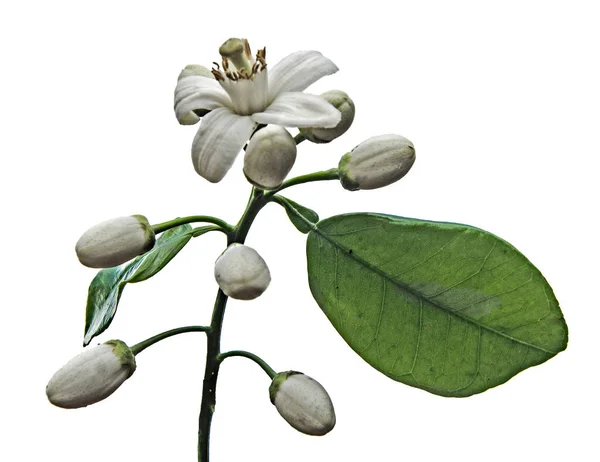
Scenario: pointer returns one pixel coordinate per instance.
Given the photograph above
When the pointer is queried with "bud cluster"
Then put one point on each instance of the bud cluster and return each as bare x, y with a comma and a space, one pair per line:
243, 108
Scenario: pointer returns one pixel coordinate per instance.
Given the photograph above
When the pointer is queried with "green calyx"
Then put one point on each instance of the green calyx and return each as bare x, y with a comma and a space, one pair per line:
348, 182
277, 381
124, 354
149, 235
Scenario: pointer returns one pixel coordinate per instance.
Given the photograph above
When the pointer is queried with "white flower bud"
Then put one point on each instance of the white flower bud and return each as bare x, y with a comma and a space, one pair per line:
241, 272
115, 241
269, 157
376, 162
342, 102
192, 117
303, 403
195, 69
91, 376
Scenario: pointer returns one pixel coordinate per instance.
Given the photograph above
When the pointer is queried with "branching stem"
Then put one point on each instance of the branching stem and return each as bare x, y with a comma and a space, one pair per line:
331, 174
159, 228
246, 354
139, 347
299, 138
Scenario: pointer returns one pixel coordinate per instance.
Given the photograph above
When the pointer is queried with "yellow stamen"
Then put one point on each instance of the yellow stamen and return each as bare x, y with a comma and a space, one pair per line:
217, 74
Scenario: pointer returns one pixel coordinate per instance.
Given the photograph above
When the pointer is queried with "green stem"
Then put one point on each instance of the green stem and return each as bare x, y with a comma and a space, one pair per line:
246, 354
139, 347
213, 337
258, 199
159, 228
331, 174
299, 138
211, 372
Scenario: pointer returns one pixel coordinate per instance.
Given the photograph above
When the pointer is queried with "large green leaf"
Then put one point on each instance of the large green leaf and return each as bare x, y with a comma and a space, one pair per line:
106, 288
448, 308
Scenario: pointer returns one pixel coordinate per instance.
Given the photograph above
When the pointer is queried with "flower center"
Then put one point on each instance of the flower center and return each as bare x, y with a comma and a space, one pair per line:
243, 76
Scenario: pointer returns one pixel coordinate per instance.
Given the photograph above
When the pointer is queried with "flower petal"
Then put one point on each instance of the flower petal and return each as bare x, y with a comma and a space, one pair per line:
218, 142
298, 71
299, 110
196, 92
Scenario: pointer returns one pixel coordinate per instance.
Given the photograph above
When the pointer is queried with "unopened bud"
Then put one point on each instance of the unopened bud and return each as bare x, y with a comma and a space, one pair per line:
269, 157
115, 241
195, 69
376, 162
342, 102
192, 117
241, 272
303, 403
91, 376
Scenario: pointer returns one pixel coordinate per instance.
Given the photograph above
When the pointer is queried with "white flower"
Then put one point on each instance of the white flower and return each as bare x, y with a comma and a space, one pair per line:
303, 403
91, 376
115, 241
240, 96
241, 272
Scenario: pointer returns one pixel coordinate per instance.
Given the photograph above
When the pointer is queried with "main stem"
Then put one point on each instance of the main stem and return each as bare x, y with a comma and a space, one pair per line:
213, 337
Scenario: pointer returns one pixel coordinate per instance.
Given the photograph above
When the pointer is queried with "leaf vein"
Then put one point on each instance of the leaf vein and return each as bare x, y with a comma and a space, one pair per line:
468, 277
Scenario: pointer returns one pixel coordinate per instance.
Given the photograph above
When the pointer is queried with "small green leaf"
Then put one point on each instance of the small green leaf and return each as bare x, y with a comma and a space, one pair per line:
444, 307
301, 217
106, 288
167, 246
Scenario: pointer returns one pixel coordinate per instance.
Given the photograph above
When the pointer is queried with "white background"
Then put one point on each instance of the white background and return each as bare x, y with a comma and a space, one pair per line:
501, 100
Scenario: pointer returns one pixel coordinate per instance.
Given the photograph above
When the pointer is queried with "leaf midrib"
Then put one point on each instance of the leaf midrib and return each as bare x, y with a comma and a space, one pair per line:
419, 295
